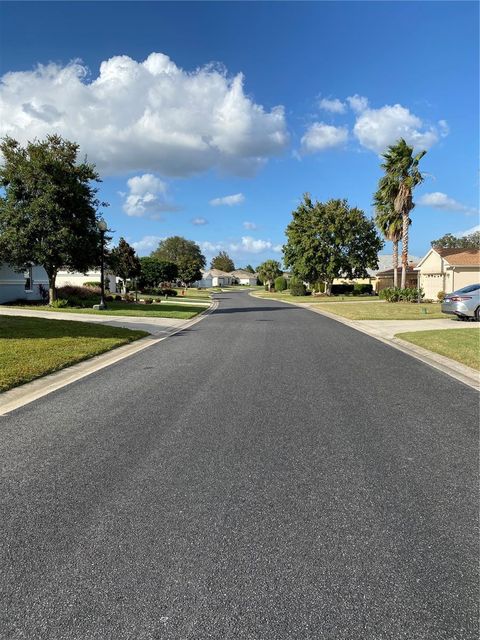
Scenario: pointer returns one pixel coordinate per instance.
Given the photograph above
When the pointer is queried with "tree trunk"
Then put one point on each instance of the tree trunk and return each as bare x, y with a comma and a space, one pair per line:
328, 288
405, 224
395, 263
52, 294
269, 286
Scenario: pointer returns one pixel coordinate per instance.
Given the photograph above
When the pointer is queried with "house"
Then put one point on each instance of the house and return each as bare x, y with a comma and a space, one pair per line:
22, 285
214, 278
448, 270
384, 279
385, 262
244, 277
77, 279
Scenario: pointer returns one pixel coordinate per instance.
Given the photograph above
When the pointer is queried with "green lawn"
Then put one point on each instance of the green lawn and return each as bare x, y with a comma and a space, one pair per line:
32, 347
180, 310
462, 345
384, 310
285, 295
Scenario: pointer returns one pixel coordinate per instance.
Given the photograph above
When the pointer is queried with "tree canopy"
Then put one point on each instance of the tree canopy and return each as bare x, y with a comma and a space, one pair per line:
249, 268
223, 262
328, 240
186, 254
449, 241
48, 213
155, 272
123, 261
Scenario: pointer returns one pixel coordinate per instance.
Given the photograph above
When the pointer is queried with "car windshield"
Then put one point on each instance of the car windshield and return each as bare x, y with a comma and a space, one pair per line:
469, 289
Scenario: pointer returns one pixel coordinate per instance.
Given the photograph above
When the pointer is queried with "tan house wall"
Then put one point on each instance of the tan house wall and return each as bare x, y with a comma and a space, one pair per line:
435, 274
463, 276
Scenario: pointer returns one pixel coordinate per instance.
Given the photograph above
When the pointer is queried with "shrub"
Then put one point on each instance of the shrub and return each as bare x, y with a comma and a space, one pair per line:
168, 292
395, 294
280, 284
341, 289
59, 303
148, 301
93, 284
82, 293
297, 288
109, 298
362, 289
118, 298
318, 287
441, 296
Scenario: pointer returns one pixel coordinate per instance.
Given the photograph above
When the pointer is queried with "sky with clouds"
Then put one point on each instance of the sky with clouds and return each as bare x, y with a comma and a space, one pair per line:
210, 120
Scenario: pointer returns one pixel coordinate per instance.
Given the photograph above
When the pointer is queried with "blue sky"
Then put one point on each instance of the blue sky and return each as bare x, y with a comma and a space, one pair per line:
182, 105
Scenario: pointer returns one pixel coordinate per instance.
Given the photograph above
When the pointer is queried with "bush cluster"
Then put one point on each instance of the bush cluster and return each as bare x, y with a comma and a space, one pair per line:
441, 296
94, 284
160, 291
341, 289
280, 284
395, 294
297, 288
362, 289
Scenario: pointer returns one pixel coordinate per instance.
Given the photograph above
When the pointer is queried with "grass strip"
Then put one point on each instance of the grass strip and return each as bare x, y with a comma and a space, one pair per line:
32, 347
385, 310
462, 345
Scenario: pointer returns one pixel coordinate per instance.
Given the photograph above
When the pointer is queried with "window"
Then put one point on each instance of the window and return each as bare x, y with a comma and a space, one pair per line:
28, 274
469, 289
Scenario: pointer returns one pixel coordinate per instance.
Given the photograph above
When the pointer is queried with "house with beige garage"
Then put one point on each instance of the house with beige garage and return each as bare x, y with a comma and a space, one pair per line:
448, 270
244, 277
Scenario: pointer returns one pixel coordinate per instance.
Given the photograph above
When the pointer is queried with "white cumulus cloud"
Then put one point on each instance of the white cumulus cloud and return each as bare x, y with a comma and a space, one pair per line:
249, 225
375, 129
229, 201
147, 244
252, 245
468, 232
146, 197
199, 221
333, 105
149, 116
357, 103
439, 200
320, 136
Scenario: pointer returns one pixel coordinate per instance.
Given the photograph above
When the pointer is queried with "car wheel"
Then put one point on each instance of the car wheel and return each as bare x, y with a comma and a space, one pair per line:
477, 314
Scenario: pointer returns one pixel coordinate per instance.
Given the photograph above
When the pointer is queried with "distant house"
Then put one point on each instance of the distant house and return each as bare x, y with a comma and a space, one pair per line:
384, 279
77, 279
448, 270
214, 278
244, 277
22, 285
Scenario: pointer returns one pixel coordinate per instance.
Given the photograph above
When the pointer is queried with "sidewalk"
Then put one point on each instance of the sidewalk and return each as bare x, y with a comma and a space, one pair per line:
154, 326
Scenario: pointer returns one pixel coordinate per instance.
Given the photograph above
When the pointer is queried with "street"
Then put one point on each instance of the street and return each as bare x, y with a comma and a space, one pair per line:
266, 474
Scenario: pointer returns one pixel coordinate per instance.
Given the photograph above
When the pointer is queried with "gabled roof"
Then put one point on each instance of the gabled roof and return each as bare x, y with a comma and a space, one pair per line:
455, 257
216, 273
389, 272
241, 273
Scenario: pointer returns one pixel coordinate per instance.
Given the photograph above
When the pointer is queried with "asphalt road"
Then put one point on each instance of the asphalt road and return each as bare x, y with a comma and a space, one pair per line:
267, 474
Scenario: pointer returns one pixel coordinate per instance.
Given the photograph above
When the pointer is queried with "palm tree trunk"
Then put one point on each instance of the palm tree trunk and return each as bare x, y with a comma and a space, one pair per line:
405, 221
395, 263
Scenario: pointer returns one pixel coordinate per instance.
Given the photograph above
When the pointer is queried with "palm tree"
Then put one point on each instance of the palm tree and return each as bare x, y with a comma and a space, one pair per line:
268, 271
396, 186
390, 225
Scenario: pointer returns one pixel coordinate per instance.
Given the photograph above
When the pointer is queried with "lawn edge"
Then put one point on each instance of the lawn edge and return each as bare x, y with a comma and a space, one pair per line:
28, 392
452, 368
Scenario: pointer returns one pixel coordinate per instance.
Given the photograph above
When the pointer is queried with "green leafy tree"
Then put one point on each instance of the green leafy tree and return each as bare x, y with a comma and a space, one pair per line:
268, 271
401, 177
249, 268
449, 241
123, 261
328, 240
48, 212
154, 272
223, 262
186, 254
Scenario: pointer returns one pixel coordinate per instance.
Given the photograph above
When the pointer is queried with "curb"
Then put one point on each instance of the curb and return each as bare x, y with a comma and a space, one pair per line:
460, 372
30, 391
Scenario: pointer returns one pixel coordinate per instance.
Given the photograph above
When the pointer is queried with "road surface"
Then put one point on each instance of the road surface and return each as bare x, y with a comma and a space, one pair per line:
267, 474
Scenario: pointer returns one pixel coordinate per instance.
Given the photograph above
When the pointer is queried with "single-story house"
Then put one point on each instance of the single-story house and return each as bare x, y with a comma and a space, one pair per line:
77, 279
244, 277
448, 270
214, 278
22, 285
385, 262
384, 279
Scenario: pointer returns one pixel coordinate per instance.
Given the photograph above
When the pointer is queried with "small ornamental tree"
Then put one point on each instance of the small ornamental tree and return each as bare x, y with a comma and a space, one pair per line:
153, 272
123, 262
48, 211
223, 262
328, 240
268, 271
